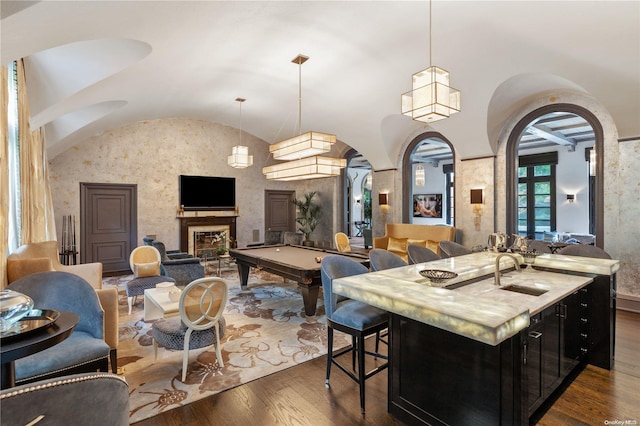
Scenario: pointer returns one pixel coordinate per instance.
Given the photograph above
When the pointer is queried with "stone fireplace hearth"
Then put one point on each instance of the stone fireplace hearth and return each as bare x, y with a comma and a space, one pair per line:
201, 236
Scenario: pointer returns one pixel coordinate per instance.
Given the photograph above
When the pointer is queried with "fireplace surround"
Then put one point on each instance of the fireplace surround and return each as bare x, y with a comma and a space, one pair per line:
192, 227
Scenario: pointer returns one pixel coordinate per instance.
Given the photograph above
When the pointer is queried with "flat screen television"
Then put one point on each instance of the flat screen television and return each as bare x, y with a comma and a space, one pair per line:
207, 192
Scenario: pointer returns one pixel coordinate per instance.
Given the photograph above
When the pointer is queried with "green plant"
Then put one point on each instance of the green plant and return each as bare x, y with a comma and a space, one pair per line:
308, 213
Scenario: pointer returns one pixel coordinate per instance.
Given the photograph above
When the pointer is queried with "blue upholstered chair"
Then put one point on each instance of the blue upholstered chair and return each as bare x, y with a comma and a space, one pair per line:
182, 267
351, 317
383, 259
200, 324
78, 399
420, 254
584, 250
453, 249
85, 349
539, 246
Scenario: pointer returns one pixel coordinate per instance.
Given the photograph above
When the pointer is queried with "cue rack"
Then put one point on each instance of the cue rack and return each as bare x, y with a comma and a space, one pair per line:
68, 252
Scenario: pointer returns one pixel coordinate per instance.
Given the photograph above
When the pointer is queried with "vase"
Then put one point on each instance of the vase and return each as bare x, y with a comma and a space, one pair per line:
13, 307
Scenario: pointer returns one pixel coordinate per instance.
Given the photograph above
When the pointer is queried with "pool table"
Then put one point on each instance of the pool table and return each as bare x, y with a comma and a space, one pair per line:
298, 263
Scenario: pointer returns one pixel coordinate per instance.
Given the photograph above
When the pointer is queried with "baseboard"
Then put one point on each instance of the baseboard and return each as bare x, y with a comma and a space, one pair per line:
628, 302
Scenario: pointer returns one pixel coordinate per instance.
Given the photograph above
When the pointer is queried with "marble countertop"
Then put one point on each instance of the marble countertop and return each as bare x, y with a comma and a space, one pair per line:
478, 310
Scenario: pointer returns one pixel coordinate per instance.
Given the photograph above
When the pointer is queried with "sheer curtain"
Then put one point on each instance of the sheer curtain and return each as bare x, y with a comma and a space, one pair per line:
37, 219
4, 175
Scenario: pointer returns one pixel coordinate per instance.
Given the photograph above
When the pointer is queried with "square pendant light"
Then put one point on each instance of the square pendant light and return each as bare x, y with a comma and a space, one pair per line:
432, 98
304, 145
240, 157
305, 168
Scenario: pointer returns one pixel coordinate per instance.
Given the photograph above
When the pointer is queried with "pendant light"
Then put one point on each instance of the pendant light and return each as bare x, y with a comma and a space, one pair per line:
432, 98
240, 157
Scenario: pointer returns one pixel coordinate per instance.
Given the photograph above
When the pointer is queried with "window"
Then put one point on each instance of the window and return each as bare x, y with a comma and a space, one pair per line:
537, 195
13, 160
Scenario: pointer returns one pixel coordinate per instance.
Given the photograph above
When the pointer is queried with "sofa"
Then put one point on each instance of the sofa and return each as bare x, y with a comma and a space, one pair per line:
398, 236
43, 256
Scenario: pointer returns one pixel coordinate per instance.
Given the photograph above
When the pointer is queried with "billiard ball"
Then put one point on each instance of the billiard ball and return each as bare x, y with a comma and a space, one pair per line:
277, 249
318, 259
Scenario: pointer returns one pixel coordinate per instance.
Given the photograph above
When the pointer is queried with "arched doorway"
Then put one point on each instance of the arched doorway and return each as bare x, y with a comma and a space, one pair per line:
356, 195
428, 180
544, 197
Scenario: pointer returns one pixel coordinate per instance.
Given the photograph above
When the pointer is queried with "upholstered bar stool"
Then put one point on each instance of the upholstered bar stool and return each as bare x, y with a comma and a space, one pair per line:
145, 264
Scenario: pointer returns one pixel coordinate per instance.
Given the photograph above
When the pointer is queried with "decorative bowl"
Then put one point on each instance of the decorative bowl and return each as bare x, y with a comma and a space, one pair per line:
174, 294
438, 275
166, 286
529, 256
13, 307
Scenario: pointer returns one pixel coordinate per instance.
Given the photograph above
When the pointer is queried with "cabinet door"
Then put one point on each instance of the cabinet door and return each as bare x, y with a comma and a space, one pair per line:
533, 364
570, 324
551, 348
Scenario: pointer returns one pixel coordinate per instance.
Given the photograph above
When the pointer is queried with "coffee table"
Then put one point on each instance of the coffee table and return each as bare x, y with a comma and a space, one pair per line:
158, 305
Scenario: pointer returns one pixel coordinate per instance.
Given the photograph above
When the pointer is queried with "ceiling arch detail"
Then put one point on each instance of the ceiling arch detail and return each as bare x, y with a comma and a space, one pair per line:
516, 92
55, 75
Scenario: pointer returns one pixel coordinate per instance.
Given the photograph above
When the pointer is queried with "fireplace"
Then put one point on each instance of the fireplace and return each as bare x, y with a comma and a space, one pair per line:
200, 236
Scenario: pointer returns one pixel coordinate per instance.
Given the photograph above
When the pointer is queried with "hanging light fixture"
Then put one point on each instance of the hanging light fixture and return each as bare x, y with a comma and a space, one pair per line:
419, 175
303, 145
240, 157
432, 98
302, 150
305, 168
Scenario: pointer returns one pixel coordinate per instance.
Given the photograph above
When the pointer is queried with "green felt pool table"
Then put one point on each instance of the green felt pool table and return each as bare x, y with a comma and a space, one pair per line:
296, 263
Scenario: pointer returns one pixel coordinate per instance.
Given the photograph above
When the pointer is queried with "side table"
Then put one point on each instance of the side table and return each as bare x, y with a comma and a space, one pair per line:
35, 341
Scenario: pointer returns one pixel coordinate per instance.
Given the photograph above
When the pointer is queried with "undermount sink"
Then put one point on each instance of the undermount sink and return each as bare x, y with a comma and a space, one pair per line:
531, 291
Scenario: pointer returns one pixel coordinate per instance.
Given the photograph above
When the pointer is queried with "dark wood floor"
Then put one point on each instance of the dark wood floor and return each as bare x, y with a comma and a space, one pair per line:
297, 396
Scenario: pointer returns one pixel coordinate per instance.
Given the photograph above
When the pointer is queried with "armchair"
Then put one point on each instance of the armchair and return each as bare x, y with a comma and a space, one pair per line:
183, 270
85, 350
43, 256
101, 396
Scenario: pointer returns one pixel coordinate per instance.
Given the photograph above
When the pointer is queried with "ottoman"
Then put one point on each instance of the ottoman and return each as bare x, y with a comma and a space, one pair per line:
137, 286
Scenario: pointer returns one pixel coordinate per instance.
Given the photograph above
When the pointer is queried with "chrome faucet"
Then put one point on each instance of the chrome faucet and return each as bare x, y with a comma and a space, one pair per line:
497, 272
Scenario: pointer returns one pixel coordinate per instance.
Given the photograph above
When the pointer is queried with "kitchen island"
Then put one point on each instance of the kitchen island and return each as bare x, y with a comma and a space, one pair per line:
475, 353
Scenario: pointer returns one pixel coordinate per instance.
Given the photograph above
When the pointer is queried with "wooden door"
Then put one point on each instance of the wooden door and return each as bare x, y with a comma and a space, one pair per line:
109, 225
280, 212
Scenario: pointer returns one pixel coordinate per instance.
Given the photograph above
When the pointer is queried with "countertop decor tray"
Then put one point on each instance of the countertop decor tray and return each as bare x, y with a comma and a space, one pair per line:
37, 320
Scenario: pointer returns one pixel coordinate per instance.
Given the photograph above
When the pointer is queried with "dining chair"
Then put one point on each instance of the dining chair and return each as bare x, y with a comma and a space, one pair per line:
342, 242
420, 254
200, 324
383, 259
352, 317
453, 249
539, 246
584, 250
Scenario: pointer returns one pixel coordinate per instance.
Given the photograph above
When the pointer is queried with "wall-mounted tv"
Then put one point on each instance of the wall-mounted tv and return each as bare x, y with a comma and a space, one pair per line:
207, 192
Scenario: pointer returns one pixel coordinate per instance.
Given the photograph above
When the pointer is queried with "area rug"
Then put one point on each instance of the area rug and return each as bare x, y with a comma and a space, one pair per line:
267, 331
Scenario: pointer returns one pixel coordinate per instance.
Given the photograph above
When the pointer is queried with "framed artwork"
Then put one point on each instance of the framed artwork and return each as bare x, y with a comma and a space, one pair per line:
427, 205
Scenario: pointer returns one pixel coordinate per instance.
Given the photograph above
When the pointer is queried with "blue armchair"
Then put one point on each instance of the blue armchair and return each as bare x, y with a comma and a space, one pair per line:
182, 269
85, 350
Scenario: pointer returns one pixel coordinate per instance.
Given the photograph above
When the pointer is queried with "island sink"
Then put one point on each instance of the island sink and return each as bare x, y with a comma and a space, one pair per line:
531, 291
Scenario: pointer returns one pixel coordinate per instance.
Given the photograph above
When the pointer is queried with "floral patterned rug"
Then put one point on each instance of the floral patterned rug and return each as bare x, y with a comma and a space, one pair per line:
267, 331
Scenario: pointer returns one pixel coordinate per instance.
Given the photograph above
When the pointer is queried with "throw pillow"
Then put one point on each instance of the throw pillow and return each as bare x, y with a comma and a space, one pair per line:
422, 243
151, 269
397, 245
434, 246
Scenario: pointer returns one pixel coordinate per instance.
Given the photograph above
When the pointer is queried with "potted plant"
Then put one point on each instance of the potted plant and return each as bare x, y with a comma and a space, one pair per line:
307, 218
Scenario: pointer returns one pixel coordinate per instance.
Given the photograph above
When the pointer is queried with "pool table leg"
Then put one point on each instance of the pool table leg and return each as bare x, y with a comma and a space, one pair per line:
310, 298
243, 271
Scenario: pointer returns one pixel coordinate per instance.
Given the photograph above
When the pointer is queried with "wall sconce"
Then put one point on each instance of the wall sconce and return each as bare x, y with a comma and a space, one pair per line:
477, 199
571, 198
383, 199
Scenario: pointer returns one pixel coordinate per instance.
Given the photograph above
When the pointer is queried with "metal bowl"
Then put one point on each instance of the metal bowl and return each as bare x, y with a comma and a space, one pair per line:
438, 275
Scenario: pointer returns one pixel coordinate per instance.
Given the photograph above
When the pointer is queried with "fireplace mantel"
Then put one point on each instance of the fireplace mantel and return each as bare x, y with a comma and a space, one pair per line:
186, 222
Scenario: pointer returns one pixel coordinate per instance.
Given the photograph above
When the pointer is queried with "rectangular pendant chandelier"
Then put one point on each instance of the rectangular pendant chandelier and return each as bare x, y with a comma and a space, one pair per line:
304, 145
432, 98
240, 157
306, 168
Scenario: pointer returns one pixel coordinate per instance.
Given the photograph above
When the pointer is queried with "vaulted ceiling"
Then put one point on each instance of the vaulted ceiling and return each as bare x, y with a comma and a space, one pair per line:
96, 65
